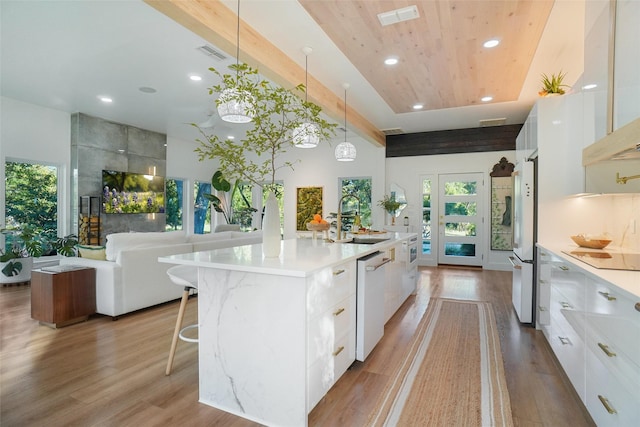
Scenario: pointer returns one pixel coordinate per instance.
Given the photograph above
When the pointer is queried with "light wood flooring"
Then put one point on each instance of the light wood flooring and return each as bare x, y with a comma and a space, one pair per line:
111, 373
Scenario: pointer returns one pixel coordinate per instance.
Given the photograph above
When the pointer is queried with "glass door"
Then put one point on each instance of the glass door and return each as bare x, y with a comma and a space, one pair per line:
460, 219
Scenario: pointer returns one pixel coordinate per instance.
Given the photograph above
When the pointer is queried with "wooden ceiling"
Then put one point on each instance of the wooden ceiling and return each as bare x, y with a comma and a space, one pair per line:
442, 62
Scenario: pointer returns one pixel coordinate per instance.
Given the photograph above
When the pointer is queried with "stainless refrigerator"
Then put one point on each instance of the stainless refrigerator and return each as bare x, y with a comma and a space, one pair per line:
524, 241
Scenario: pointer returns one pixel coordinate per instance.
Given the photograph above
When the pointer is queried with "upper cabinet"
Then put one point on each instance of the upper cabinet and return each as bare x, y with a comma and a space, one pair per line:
626, 80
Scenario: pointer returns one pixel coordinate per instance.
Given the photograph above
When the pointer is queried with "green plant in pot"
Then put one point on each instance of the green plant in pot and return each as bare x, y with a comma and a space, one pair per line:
221, 204
26, 241
391, 205
552, 84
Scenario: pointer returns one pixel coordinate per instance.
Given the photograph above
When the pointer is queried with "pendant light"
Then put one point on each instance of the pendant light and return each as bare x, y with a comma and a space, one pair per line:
236, 106
345, 151
306, 135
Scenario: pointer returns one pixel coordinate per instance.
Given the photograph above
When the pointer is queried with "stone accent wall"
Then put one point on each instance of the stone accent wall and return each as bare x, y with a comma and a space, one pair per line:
98, 144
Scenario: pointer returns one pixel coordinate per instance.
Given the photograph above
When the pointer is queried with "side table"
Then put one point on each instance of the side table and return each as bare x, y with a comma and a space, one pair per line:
63, 295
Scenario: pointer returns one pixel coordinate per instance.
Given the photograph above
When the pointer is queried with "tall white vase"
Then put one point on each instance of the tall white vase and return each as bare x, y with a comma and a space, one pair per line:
271, 227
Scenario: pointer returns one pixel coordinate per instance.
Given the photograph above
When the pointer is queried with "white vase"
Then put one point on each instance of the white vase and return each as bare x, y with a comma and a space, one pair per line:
271, 238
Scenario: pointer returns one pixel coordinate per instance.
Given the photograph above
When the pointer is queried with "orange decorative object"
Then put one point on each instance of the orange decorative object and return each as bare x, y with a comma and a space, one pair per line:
590, 243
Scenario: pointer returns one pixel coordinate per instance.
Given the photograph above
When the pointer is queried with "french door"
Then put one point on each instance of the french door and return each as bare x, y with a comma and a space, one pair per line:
460, 229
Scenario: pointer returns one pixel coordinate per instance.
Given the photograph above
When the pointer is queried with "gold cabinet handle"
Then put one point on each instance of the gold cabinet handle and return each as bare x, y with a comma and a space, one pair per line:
338, 351
607, 405
541, 308
606, 350
607, 296
338, 311
637, 306
563, 268
565, 304
338, 272
543, 253
564, 340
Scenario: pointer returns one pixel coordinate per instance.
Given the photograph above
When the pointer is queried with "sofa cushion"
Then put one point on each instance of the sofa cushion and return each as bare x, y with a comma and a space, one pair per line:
116, 242
227, 227
209, 237
92, 252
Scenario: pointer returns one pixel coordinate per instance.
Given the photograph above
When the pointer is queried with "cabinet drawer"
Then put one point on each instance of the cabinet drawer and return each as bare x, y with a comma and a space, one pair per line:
326, 370
330, 286
325, 330
608, 402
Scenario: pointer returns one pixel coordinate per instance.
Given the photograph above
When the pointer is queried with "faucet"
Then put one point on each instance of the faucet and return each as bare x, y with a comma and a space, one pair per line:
339, 226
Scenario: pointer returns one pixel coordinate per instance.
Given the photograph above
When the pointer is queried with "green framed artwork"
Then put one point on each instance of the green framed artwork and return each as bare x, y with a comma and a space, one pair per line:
308, 203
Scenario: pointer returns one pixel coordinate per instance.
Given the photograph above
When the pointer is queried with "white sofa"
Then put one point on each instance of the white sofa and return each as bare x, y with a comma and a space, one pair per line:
131, 277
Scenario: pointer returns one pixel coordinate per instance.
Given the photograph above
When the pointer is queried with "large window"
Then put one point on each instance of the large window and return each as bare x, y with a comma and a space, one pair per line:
361, 188
242, 207
201, 210
31, 195
174, 197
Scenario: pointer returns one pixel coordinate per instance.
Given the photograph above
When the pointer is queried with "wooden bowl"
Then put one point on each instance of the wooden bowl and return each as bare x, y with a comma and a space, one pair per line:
590, 243
318, 227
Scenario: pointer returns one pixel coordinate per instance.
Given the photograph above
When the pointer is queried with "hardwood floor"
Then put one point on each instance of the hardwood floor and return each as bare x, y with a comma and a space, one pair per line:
106, 373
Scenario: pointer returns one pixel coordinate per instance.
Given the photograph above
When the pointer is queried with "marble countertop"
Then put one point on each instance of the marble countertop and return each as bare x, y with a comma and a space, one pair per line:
298, 257
627, 281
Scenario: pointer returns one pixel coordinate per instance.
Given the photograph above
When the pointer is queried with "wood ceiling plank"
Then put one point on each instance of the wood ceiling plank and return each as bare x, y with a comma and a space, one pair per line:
442, 61
216, 23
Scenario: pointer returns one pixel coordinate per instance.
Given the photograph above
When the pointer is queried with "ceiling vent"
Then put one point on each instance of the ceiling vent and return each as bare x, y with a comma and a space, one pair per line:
394, 131
398, 15
212, 52
492, 122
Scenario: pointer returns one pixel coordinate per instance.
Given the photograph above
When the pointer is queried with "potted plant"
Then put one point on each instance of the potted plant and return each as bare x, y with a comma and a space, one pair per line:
552, 85
25, 243
391, 205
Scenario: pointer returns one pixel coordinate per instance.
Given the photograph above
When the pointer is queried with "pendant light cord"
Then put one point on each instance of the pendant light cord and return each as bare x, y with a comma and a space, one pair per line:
238, 44
345, 115
306, 77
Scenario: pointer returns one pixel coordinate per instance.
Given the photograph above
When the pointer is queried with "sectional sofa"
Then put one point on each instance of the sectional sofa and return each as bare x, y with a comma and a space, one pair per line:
129, 276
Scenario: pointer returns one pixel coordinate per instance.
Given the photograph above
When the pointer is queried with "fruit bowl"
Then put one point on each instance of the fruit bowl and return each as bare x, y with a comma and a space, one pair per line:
588, 242
318, 227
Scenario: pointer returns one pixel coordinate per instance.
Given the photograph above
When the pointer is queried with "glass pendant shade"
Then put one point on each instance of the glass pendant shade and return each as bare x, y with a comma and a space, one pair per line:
306, 135
235, 106
345, 152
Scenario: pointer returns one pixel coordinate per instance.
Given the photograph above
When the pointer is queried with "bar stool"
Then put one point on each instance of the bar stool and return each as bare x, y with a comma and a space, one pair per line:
186, 276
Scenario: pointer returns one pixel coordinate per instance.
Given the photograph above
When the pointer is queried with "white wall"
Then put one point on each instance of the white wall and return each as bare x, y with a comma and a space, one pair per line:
407, 172
30, 132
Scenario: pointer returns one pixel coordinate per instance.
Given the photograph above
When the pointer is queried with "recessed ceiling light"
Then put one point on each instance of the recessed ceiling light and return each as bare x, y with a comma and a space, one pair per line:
391, 61
491, 43
231, 137
195, 77
146, 89
486, 98
590, 86
418, 106
105, 99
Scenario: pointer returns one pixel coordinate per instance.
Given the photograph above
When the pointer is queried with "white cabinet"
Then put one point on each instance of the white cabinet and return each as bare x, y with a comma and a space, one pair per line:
613, 355
593, 329
331, 328
527, 139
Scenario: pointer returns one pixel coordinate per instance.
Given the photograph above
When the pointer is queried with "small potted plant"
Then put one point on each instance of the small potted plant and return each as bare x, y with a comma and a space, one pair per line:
552, 85
391, 205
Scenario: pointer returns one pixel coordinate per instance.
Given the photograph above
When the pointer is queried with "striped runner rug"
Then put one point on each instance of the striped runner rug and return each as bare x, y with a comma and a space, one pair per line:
452, 373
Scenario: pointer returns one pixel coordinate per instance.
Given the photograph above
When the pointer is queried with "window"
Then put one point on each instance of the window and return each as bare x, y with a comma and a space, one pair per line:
201, 211
31, 195
241, 207
174, 189
361, 188
426, 216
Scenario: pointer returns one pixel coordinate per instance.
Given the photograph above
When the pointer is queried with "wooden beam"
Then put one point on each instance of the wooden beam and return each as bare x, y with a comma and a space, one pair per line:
216, 23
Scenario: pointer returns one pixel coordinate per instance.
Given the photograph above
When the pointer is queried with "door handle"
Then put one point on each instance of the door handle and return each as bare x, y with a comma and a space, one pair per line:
512, 260
377, 266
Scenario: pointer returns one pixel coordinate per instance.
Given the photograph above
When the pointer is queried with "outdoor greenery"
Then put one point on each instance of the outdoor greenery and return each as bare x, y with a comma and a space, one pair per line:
31, 195
361, 188
173, 192
278, 111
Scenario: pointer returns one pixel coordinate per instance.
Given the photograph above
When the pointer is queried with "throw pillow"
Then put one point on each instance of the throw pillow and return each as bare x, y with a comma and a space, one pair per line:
92, 252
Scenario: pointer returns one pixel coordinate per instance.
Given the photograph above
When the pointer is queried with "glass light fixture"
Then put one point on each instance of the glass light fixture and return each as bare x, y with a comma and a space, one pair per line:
345, 151
236, 106
306, 135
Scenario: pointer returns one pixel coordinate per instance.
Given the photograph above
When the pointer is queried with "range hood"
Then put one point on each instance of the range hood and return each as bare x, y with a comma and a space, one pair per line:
622, 144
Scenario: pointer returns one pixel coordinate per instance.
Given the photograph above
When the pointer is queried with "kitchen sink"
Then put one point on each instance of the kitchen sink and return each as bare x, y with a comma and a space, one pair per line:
367, 240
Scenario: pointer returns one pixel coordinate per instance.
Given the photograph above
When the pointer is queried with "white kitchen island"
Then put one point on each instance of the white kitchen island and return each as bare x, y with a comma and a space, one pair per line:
276, 333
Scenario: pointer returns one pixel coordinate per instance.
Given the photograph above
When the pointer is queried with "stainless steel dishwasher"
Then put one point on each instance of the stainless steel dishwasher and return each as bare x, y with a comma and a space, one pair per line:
370, 303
